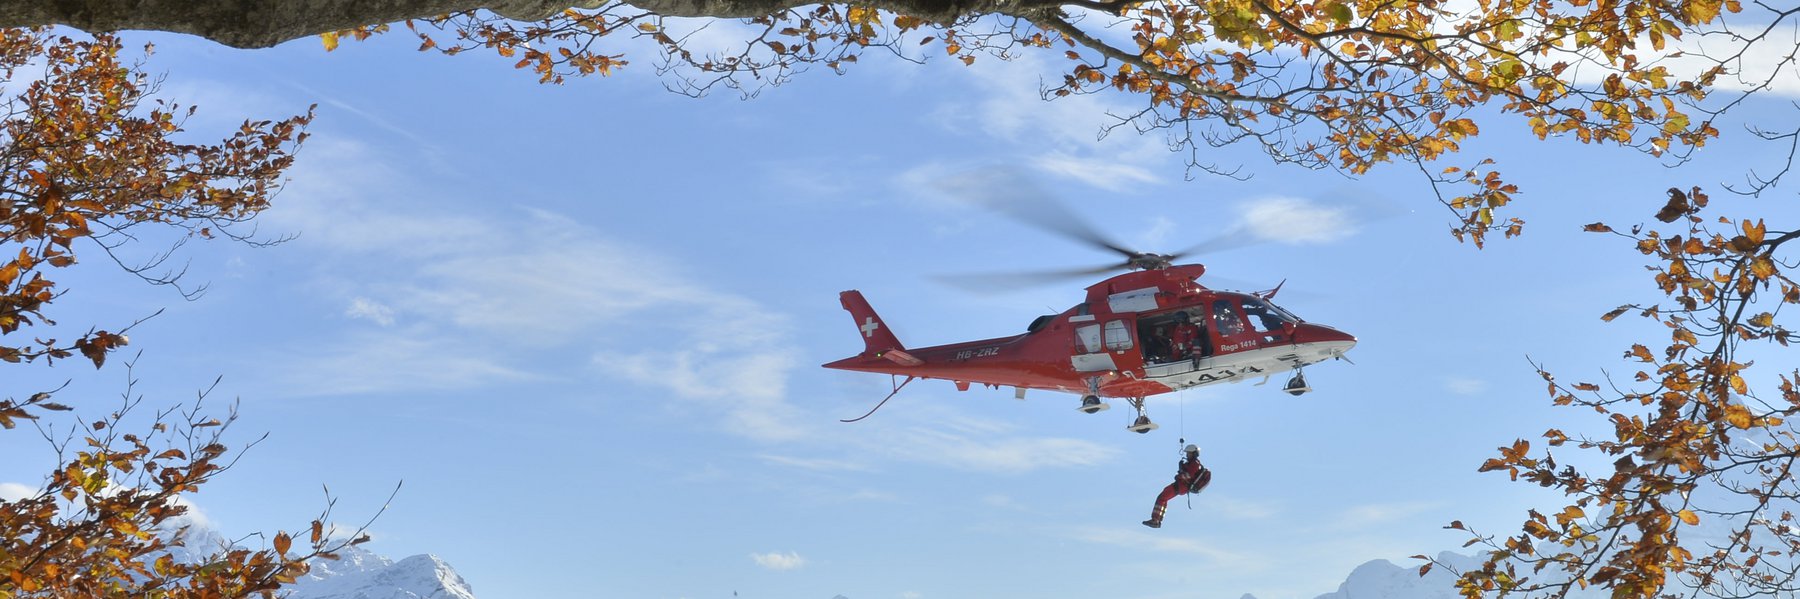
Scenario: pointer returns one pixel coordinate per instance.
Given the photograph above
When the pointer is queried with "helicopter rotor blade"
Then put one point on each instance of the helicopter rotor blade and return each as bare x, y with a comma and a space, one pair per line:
997, 282
1231, 239
1009, 193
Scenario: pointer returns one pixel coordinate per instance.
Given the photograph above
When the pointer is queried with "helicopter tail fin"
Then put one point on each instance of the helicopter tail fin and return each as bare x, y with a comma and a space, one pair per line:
877, 339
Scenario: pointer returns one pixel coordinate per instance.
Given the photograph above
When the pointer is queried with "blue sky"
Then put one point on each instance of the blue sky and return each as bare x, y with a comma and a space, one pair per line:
583, 323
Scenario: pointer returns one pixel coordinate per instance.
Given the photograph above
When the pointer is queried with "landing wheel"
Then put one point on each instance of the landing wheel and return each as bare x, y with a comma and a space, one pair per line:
1092, 404
1142, 424
1297, 385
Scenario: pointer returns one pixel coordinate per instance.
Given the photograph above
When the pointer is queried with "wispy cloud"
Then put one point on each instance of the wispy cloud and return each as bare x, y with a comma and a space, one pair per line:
1238, 509
498, 296
1157, 542
1004, 502
983, 445
1094, 171
1061, 137
1464, 385
776, 560
1007, 454
1382, 513
371, 310
815, 464
1157, 235
416, 358
1295, 221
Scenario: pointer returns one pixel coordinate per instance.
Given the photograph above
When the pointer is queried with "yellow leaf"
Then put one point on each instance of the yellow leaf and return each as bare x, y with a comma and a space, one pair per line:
1762, 267
1754, 231
1737, 416
282, 542
1341, 13
1689, 517
330, 38
1702, 11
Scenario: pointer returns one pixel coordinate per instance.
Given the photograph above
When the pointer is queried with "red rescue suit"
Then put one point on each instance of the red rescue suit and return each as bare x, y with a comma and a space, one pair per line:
1186, 339
1190, 478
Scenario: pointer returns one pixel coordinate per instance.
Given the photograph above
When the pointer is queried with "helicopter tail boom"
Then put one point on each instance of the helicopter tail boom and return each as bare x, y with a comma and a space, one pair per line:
877, 339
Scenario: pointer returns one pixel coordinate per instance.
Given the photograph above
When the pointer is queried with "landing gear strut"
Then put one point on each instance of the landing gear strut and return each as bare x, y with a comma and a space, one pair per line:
1091, 403
1297, 385
1142, 424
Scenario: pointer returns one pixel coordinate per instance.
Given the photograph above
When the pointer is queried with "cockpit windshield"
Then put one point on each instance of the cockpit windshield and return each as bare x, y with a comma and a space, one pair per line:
1266, 316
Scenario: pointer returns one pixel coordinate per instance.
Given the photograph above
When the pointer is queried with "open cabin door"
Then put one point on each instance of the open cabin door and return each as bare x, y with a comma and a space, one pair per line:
1104, 344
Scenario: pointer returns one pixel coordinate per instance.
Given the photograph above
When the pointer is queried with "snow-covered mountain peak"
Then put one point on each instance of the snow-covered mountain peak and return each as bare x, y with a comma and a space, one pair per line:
364, 575
357, 573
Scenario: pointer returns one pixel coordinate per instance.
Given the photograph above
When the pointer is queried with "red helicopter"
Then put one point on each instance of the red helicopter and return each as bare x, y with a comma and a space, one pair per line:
1112, 345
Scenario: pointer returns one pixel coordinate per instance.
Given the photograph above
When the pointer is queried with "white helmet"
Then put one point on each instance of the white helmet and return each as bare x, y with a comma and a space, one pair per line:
1193, 449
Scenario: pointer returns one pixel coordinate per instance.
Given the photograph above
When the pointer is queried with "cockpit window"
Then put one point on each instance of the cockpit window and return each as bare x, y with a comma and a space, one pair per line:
1266, 317
1225, 318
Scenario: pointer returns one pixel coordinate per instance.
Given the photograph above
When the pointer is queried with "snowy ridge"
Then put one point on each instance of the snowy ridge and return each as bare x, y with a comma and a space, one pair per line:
360, 574
356, 574
1381, 579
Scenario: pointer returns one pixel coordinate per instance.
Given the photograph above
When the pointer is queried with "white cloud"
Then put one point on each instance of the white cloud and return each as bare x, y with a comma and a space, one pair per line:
1094, 171
1238, 509
967, 443
871, 495
1464, 385
1004, 502
1382, 513
405, 360
734, 361
1060, 136
1769, 62
1158, 542
221, 107
494, 297
1158, 233
1015, 454
1295, 221
16, 491
779, 561
816, 464
370, 310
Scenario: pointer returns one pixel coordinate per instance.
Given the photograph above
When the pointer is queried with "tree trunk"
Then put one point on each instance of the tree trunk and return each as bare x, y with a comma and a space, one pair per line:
265, 23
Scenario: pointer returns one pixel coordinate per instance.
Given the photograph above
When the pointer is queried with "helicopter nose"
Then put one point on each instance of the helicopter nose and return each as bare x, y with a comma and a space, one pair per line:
1307, 332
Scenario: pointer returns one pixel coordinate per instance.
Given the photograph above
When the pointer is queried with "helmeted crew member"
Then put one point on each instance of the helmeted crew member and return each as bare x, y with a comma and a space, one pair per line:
1156, 345
1186, 338
1191, 477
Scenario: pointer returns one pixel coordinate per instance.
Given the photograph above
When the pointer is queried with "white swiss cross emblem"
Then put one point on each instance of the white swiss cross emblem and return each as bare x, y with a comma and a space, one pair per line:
869, 327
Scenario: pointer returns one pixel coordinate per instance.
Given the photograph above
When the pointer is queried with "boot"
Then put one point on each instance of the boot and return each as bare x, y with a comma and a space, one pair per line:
1156, 515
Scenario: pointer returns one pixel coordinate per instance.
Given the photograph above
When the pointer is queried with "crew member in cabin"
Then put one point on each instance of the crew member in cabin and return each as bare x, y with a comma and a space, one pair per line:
1190, 477
1186, 338
1156, 346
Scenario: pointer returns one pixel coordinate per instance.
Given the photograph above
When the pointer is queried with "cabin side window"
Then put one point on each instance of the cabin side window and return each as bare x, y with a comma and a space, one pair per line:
1088, 337
1118, 336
